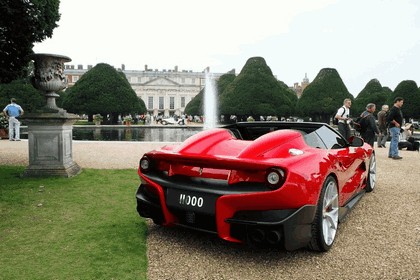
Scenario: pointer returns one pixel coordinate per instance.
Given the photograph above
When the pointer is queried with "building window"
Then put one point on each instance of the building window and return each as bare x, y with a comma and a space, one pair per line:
150, 102
74, 79
161, 103
171, 102
182, 101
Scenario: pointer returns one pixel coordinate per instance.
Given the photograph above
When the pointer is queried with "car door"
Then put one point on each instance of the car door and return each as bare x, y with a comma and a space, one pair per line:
345, 160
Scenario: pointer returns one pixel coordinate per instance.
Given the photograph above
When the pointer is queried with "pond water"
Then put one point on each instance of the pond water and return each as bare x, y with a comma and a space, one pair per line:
132, 133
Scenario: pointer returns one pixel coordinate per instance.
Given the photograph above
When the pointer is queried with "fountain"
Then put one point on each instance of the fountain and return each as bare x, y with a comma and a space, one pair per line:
50, 128
210, 101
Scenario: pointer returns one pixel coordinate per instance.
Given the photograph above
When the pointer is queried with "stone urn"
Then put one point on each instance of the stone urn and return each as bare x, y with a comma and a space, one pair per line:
49, 76
50, 129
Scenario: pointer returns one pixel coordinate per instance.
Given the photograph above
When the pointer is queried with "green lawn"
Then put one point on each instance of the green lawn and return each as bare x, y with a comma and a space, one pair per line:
85, 227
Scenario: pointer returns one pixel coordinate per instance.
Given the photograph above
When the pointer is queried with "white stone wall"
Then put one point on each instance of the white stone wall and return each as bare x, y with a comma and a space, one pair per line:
155, 84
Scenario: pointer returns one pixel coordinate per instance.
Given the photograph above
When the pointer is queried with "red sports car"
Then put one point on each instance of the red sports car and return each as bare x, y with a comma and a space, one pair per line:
277, 183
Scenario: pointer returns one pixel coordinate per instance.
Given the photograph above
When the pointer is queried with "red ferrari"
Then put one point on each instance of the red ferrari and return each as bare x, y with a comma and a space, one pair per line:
277, 183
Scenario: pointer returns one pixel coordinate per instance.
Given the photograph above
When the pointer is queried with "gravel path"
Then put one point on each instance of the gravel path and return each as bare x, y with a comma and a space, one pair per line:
380, 239
90, 154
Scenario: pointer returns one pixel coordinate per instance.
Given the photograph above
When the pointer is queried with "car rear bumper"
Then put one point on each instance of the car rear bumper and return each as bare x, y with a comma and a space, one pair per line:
288, 227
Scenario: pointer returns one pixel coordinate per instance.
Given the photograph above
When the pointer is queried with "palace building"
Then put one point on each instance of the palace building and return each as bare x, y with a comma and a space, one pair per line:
299, 88
165, 92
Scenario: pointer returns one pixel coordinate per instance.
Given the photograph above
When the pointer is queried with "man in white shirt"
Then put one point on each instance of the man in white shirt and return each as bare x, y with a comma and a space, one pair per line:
343, 117
13, 111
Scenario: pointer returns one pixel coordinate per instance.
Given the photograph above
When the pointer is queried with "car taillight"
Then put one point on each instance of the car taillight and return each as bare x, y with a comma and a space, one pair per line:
275, 178
144, 164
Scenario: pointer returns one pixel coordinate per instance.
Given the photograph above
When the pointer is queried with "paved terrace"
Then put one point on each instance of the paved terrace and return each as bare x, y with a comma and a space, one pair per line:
379, 240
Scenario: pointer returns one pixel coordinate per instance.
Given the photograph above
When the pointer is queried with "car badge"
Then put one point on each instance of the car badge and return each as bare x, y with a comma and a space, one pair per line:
200, 171
295, 152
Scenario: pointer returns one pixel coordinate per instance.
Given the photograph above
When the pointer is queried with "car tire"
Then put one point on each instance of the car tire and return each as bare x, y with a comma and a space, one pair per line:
325, 224
371, 179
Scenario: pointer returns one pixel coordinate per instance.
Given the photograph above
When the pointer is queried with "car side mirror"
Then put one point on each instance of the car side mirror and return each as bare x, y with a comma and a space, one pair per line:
356, 141
341, 142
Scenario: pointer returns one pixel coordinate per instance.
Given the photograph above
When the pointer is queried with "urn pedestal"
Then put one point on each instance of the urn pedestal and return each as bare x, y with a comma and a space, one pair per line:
50, 145
50, 129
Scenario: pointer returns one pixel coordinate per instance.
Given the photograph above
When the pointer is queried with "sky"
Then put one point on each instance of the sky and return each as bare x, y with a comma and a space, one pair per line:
361, 39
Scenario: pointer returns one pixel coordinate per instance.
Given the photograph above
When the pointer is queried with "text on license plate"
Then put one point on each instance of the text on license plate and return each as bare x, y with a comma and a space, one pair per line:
195, 201
191, 201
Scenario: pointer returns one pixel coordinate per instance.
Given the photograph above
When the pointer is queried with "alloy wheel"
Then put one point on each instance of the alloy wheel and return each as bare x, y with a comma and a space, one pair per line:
330, 213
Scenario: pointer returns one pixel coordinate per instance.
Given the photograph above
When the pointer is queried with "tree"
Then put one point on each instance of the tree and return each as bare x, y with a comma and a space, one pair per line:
408, 90
196, 105
291, 96
22, 23
321, 98
373, 92
255, 91
26, 95
103, 90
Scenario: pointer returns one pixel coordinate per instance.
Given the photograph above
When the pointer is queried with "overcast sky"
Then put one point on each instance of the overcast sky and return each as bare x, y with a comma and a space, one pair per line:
362, 39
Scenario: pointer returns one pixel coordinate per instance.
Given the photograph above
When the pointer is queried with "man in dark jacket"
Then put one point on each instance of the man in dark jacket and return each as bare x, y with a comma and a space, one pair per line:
370, 128
394, 120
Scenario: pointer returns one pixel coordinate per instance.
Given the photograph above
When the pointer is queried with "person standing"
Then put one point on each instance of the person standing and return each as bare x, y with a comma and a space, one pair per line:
382, 126
394, 121
343, 117
370, 128
13, 111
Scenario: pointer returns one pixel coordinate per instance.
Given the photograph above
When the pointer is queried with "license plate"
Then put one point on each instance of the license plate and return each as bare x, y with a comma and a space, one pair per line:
193, 201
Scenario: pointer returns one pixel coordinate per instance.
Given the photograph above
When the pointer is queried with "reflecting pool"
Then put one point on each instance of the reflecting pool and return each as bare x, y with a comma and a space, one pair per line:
130, 133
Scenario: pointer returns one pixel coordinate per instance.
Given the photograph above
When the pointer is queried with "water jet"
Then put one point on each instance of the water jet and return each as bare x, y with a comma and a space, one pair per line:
210, 101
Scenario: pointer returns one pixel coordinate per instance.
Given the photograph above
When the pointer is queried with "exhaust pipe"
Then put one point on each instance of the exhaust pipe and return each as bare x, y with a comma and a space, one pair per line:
273, 237
257, 235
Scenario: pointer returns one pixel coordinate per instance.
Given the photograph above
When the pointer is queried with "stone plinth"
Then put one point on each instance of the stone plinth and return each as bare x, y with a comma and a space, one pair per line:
50, 144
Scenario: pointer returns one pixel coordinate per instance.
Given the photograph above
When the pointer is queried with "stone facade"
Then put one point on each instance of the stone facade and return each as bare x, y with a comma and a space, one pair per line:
299, 88
165, 92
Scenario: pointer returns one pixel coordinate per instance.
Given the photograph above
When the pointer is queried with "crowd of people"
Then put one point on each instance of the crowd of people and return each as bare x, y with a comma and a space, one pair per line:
390, 122
149, 119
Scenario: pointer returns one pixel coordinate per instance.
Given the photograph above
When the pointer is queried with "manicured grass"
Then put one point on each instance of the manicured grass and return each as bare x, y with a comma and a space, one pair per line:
85, 227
